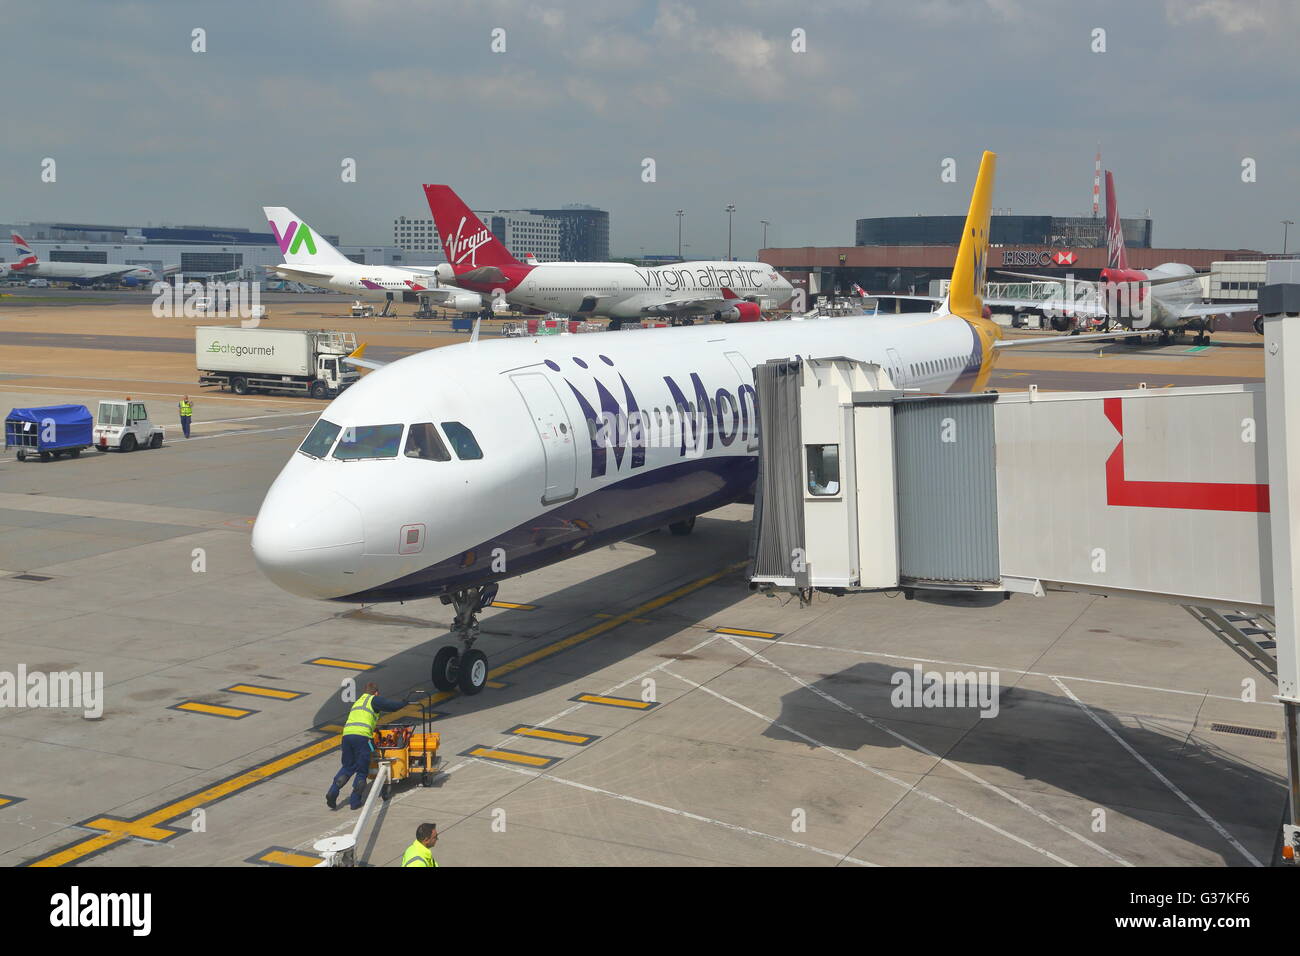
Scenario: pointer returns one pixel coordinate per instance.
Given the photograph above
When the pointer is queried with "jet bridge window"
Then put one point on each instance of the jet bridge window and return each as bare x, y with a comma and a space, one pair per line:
369, 441
422, 441
319, 440
462, 441
823, 470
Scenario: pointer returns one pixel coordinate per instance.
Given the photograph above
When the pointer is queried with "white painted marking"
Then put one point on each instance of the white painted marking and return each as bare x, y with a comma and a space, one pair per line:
735, 827
910, 788
1160, 776
995, 667
930, 753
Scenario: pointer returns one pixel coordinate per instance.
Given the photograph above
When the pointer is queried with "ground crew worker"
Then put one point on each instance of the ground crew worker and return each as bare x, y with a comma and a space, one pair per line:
359, 744
420, 852
187, 412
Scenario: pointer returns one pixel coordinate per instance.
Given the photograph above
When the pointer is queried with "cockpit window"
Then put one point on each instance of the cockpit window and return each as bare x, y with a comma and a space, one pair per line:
369, 441
422, 441
319, 439
462, 441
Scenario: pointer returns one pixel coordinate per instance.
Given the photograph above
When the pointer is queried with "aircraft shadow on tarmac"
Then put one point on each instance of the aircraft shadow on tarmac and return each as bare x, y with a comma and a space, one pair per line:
1051, 743
560, 614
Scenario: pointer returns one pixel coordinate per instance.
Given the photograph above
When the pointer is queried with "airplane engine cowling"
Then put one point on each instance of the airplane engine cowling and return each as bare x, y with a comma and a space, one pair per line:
463, 302
1062, 323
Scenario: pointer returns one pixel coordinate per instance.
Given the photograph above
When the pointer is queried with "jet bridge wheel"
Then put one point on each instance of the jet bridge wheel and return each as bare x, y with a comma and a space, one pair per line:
446, 668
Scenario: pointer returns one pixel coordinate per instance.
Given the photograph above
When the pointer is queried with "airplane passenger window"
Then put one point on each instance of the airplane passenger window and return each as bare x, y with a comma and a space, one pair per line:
319, 439
369, 441
422, 441
823, 470
462, 441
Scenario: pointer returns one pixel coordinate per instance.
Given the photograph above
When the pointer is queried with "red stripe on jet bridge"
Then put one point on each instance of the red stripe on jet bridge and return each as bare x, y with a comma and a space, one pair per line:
1190, 495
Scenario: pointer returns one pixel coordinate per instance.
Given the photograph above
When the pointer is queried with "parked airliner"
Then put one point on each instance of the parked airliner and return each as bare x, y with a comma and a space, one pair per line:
1167, 299
30, 265
310, 259
476, 259
445, 472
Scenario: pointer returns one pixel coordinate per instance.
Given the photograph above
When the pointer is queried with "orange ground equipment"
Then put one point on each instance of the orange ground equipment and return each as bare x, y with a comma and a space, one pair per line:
411, 752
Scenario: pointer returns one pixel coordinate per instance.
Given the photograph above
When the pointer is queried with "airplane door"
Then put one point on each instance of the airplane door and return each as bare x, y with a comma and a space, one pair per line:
746, 373
895, 368
556, 434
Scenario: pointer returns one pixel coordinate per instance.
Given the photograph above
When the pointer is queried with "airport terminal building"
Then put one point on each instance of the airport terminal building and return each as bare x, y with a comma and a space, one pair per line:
200, 251
909, 255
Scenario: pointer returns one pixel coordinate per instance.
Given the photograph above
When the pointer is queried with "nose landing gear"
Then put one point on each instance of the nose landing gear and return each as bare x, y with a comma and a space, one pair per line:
465, 667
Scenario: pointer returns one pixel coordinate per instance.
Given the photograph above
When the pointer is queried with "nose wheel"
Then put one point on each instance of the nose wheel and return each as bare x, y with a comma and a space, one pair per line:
464, 668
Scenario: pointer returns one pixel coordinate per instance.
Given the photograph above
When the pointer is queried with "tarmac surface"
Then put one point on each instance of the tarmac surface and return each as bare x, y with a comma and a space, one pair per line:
645, 707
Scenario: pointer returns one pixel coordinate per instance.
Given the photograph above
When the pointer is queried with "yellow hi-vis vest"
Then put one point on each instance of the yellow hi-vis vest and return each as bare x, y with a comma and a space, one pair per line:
362, 717
187, 410
417, 854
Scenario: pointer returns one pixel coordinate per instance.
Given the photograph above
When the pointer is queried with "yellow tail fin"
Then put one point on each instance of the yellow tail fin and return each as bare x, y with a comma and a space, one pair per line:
966, 291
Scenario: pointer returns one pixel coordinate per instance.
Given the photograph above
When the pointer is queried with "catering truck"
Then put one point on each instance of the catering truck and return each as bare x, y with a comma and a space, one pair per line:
302, 362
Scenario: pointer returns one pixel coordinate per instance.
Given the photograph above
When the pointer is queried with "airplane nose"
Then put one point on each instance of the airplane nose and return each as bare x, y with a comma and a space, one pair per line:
310, 544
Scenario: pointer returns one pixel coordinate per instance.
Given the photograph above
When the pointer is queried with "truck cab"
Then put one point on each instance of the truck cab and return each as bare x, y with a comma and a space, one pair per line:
125, 426
332, 376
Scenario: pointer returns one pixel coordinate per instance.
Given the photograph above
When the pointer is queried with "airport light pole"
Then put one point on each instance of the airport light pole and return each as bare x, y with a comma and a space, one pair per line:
765, 223
680, 213
731, 208
1286, 223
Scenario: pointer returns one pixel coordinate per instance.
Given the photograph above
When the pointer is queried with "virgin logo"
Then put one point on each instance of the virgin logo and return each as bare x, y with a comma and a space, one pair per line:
459, 246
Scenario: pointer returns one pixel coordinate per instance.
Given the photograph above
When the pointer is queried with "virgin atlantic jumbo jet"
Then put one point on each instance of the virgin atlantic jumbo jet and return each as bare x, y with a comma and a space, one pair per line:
444, 473
476, 260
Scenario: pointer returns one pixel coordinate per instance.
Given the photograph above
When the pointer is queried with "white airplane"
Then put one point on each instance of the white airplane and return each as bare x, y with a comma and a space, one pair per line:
311, 260
1166, 299
476, 259
445, 472
29, 265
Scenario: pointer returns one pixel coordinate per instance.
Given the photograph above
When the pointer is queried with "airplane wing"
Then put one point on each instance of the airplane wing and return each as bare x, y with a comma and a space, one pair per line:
678, 306
299, 274
356, 357
1053, 339
1201, 311
437, 293
1158, 280
1086, 308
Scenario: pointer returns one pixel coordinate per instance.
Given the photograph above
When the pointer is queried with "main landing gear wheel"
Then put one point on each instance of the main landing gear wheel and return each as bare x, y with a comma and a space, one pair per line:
466, 668
446, 665
680, 528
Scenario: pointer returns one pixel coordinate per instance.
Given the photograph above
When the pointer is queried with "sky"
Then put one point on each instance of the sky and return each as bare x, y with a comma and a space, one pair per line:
644, 108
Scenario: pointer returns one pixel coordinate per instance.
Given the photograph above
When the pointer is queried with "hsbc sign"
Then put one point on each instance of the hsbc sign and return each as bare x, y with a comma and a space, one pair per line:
1038, 257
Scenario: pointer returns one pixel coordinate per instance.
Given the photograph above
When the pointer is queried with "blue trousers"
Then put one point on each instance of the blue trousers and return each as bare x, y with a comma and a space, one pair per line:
356, 763
185, 425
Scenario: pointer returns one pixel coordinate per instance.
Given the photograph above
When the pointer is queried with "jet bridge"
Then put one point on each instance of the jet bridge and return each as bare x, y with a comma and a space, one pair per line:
1184, 495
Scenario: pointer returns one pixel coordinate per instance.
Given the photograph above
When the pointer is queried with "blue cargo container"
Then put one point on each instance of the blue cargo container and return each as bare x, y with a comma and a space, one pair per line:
49, 431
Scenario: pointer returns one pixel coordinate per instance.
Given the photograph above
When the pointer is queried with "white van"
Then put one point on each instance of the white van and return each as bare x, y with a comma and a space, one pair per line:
38, 283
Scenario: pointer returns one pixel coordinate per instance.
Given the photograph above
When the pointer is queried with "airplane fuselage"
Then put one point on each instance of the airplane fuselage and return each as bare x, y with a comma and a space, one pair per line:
584, 440
622, 290
377, 283
79, 271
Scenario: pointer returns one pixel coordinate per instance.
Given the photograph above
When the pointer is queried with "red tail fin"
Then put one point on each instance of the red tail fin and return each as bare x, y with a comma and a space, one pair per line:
1116, 256
728, 294
467, 243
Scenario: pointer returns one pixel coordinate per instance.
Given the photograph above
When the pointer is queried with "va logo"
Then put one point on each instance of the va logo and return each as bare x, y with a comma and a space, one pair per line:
295, 236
